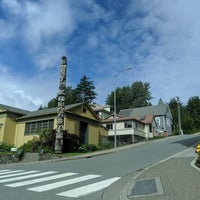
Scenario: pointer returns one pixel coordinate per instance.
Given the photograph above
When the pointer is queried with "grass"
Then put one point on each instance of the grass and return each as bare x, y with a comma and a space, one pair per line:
72, 154
5, 153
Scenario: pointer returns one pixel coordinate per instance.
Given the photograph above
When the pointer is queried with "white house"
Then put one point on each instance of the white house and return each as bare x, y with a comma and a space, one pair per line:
130, 129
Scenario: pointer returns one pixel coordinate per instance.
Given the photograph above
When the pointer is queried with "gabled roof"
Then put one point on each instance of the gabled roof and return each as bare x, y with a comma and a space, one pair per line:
120, 118
98, 108
48, 111
13, 109
160, 109
147, 119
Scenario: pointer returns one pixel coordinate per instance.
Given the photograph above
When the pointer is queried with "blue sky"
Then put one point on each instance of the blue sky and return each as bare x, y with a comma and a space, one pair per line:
158, 39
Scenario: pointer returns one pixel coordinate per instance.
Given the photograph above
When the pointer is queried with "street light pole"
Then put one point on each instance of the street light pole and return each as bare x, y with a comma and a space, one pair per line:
115, 109
179, 116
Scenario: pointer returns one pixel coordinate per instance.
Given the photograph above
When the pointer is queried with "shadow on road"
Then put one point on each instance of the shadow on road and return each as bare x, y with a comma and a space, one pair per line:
189, 141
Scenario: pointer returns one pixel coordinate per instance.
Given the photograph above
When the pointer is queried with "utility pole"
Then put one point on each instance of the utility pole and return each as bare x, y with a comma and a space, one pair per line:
115, 106
179, 116
61, 107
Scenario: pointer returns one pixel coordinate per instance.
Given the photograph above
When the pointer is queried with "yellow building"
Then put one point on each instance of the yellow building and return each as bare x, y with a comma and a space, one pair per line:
18, 126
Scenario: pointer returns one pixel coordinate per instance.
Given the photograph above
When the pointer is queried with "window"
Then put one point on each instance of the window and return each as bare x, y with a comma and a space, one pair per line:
157, 119
32, 128
128, 124
109, 126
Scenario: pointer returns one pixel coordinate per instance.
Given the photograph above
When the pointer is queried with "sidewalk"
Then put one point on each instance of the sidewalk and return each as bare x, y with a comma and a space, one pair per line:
172, 179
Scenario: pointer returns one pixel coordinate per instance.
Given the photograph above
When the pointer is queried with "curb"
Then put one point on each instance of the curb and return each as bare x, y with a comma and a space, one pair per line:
193, 164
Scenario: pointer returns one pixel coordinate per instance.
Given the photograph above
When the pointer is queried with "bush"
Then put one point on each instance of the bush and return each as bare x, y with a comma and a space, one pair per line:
87, 148
31, 146
5, 147
46, 141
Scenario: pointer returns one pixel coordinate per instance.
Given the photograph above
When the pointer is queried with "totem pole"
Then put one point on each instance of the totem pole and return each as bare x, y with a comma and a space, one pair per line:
61, 107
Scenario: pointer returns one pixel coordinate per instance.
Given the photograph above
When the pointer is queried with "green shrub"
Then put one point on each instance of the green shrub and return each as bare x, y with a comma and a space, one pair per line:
6, 147
82, 149
31, 146
46, 141
87, 148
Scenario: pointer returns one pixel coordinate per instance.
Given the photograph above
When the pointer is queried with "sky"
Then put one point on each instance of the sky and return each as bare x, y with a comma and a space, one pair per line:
159, 39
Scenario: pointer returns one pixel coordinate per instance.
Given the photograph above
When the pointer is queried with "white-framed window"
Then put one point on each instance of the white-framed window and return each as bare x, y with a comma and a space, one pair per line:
128, 124
109, 126
32, 128
157, 119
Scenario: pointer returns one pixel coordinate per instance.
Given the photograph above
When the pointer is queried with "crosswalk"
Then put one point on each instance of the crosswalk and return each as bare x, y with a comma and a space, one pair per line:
37, 181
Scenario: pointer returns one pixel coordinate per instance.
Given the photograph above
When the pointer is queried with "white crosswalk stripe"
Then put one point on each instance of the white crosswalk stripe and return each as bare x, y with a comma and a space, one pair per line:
39, 180
88, 189
78, 188
25, 177
3, 172
63, 183
16, 174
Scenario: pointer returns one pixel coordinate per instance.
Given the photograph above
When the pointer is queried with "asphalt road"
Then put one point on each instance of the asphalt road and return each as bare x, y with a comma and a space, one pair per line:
84, 178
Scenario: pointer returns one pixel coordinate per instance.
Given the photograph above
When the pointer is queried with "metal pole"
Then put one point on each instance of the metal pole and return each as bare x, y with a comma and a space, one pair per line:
115, 109
179, 117
115, 124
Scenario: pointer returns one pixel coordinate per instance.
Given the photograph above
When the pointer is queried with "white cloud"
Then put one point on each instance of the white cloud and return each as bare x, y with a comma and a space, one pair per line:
28, 93
46, 20
49, 57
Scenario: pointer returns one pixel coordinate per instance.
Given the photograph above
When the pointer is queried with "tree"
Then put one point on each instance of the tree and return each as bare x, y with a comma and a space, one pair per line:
85, 90
190, 120
70, 98
123, 97
53, 103
193, 108
136, 95
141, 95
173, 104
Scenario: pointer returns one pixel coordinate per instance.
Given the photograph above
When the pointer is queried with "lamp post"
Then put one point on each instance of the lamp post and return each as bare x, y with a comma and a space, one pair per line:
115, 124
179, 116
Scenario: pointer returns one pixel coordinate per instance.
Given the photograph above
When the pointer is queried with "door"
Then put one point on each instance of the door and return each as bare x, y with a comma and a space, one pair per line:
83, 135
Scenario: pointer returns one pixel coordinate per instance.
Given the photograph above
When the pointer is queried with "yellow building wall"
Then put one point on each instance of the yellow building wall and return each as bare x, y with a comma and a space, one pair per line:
80, 111
20, 138
93, 135
2, 128
9, 131
71, 125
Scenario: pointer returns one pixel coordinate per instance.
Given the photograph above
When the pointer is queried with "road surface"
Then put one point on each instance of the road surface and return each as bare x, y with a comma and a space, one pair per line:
85, 179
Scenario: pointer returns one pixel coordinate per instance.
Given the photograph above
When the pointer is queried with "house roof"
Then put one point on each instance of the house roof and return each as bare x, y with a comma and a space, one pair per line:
120, 118
48, 111
97, 107
160, 109
148, 119
14, 110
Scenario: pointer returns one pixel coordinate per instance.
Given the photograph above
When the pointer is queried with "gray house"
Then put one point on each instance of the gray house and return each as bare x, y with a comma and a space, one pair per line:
162, 116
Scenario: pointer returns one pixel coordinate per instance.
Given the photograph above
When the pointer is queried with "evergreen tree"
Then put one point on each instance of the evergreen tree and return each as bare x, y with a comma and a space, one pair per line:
193, 108
141, 94
70, 98
85, 90
190, 120
138, 95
